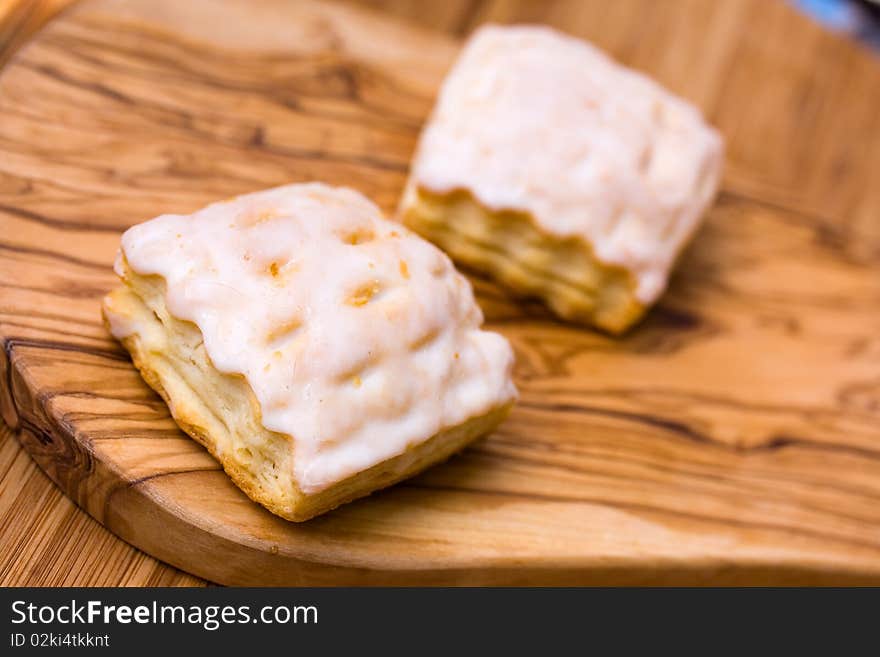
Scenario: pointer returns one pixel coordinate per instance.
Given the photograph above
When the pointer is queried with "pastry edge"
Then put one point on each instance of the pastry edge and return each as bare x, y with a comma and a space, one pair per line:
192, 414
616, 318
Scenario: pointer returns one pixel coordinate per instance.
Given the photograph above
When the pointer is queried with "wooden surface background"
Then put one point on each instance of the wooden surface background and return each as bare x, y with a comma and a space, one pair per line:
45, 539
799, 109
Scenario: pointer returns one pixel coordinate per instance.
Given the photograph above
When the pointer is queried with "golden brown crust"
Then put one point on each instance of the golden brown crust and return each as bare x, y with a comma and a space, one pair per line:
509, 246
168, 354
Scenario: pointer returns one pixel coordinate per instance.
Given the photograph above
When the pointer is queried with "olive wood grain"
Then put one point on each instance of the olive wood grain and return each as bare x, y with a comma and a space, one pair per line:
732, 437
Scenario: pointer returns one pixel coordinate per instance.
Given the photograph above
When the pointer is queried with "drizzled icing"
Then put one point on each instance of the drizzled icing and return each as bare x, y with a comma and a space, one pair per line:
533, 120
358, 338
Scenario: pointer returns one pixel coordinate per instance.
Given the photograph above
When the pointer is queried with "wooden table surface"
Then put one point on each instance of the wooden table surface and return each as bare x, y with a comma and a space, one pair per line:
46, 540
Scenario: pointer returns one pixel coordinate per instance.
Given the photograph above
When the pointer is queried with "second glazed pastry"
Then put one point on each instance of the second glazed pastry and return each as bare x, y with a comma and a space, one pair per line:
562, 174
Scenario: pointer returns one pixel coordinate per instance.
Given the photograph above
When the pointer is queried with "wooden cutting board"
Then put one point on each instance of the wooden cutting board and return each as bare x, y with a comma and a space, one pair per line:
733, 437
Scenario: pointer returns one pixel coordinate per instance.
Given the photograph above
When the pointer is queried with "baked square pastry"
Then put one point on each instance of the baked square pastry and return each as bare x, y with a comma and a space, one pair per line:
562, 174
318, 350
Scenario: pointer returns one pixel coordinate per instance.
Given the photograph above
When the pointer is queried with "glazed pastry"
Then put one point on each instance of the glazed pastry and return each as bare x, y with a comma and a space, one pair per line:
318, 350
562, 174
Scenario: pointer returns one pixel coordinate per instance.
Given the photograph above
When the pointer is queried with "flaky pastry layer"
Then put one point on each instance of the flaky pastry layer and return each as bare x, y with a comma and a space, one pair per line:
508, 245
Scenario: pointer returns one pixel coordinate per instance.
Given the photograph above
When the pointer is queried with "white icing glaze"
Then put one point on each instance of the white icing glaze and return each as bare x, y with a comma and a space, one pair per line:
356, 350
532, 120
